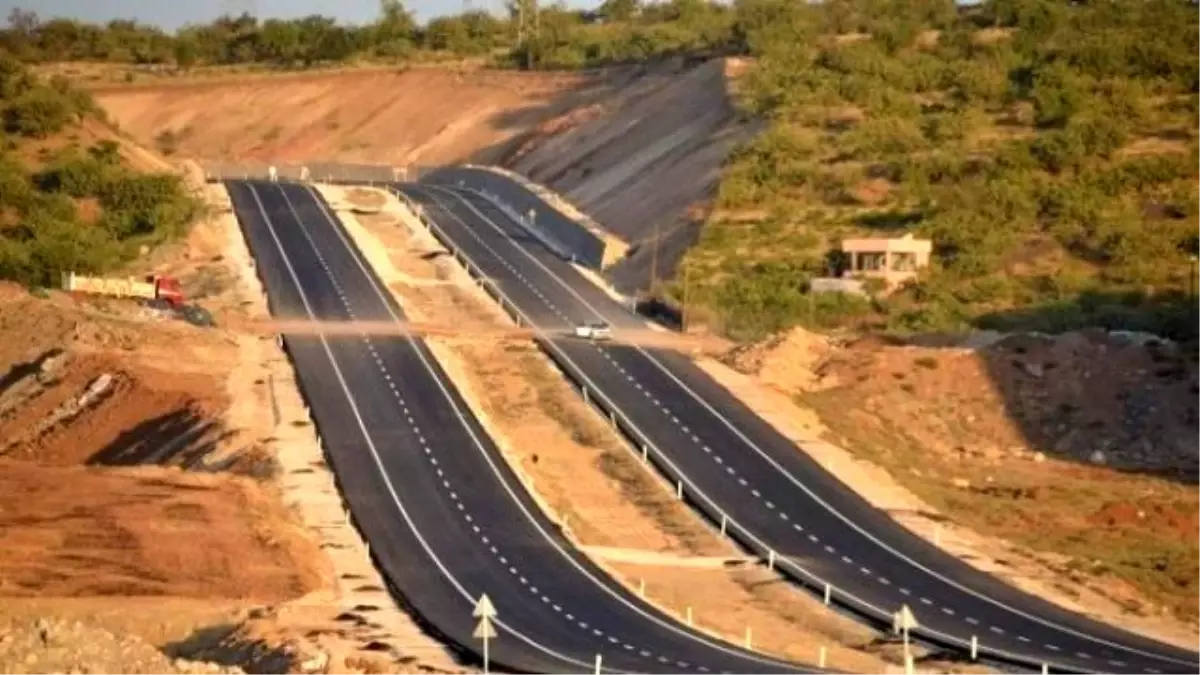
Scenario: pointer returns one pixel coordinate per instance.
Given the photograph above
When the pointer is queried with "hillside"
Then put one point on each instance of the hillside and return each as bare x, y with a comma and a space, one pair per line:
76, 195
1050, 158
144, 461
419, 116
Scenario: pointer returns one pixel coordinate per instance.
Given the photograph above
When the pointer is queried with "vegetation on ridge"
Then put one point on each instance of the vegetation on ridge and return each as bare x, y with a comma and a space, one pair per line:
618, 31
64, 206
1048, 148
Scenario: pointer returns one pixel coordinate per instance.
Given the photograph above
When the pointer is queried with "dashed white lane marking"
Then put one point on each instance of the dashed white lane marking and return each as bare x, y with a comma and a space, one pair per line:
445, 483
685, 429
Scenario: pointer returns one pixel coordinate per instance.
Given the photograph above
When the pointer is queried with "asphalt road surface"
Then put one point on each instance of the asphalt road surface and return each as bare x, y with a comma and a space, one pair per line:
739, 470
445, 517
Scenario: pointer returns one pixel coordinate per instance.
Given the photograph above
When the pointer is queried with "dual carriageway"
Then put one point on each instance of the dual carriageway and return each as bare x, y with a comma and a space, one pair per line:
447, 520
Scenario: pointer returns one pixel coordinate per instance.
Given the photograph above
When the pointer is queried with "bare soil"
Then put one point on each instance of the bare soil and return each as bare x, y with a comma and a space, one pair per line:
417, 116
142, 465
639, 149
583, 475
1003, 439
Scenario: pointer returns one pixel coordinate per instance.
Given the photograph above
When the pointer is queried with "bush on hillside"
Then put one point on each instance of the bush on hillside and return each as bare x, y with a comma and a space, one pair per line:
1006, 148
38, 113
45, 236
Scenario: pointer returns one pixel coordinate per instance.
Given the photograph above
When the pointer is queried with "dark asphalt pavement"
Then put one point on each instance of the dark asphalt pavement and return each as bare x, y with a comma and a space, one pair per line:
737, 467
445, 517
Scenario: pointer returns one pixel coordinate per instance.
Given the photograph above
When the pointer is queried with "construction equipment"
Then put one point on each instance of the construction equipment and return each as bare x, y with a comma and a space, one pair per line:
157, 288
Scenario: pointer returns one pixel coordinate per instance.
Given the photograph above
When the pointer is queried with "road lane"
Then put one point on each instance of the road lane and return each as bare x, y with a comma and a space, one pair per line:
446, 518
787, 502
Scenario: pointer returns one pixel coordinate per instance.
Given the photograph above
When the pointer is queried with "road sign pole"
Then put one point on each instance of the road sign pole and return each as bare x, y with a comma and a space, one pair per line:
486, 640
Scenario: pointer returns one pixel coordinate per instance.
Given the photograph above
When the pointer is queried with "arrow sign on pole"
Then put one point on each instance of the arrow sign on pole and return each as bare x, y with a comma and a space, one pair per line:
484, 608
485, 611
904, 621
484, 630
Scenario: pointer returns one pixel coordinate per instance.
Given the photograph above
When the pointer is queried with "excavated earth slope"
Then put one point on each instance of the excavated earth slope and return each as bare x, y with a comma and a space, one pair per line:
638, 148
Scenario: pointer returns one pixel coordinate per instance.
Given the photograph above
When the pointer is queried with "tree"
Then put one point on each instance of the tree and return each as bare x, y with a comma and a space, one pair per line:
395, 29
187, 52
620, 10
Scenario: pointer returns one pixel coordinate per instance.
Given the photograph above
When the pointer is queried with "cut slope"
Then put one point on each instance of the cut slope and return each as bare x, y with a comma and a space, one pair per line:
639, 149
420, 116
645, 162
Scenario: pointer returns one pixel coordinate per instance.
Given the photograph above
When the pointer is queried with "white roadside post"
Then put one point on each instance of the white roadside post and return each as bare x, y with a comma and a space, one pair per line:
974, 647
485, 611
598, 660
272, 173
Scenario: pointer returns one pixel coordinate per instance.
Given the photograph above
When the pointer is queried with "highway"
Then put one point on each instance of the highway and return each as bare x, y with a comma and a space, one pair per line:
445, 517
773, 499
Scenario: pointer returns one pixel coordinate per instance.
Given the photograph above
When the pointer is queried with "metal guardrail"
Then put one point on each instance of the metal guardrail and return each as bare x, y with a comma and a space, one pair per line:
836, 598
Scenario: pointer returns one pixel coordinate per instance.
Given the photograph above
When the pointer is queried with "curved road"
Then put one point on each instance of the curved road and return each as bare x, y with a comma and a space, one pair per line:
739, 470
445, 517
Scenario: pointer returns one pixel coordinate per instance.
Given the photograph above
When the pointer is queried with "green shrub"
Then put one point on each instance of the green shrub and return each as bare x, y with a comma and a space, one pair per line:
1057, 95
39, 112
76, 175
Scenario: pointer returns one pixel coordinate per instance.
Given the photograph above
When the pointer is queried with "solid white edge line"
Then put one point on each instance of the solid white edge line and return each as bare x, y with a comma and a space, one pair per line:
374, 451
793, 479
702, 639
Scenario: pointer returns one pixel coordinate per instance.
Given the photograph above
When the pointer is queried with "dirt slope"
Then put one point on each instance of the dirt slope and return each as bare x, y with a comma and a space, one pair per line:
1076, 455
636, 148
421, 116
644, 162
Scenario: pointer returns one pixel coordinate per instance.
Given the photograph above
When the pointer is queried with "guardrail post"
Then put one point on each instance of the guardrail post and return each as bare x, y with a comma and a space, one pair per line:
771, 560
689, 615
821, 657
679, 490
642, 587
724, 523
828, 593
974, 647
645, 453
749, 638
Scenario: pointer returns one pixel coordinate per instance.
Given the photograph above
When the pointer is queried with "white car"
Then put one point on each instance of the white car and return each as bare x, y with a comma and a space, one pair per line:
593, 331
